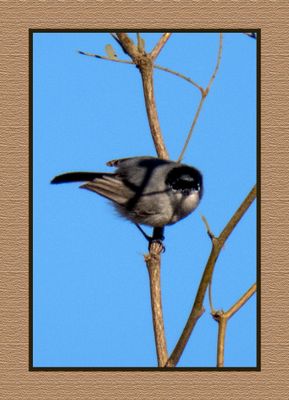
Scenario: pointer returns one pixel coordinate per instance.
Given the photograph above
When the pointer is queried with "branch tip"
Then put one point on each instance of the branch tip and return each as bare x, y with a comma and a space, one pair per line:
209, 232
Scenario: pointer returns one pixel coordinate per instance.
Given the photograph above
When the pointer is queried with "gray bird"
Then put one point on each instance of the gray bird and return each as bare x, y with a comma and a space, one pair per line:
145, 190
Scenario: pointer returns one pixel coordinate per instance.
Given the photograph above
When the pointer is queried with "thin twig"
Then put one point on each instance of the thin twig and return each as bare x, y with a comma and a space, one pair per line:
156, 66
217, 65
170, 71
241, 301
217, 244
204, 95
158, 47
212, 309
192, 128
211, 236
129, 48
105, 58
209, 231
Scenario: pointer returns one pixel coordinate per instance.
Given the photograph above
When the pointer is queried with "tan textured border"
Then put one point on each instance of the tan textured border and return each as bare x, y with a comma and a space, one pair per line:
16, 18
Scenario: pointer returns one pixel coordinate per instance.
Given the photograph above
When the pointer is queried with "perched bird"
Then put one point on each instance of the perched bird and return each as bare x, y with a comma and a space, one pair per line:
145, 190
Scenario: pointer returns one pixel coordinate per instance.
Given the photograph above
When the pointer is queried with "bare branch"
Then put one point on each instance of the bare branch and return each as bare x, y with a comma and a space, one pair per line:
118, 42
211, 236
153, 263
217, 64
209, 231
145, 64
192, 128
222, 318
158, 47
204, 95
237, 216
138, 41
105, 58
236, 307
210, 295
183, 340
221, 338
180, 76
128, 45
217, 244
146, 69
153, 260
156, 66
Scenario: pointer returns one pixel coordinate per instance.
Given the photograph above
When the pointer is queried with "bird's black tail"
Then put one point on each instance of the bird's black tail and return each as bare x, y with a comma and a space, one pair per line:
77, 177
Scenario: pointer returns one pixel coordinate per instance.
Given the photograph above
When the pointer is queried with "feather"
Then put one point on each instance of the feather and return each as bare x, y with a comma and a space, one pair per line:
109, 187
77, 177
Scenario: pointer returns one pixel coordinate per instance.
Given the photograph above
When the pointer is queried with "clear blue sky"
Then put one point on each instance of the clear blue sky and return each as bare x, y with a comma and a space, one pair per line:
91, 291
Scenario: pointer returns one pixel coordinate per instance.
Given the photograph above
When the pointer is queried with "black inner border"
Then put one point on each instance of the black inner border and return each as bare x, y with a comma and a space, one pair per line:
258, 199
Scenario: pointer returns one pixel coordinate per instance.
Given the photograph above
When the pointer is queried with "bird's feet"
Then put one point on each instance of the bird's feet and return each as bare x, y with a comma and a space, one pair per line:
157, 246
156, 240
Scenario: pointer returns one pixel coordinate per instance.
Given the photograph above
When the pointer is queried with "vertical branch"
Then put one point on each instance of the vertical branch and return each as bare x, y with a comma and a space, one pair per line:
146, 70
222, 320
153, 263
223, 317
217, 64
144, 62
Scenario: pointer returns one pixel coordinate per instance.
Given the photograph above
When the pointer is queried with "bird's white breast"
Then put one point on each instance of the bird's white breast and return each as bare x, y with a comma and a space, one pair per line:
185, 205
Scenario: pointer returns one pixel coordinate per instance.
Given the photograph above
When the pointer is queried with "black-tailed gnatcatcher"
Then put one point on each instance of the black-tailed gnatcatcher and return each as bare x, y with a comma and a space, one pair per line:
145, 190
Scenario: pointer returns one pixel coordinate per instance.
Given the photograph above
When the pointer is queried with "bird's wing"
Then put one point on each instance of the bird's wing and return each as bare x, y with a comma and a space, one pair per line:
117, 162
109, 186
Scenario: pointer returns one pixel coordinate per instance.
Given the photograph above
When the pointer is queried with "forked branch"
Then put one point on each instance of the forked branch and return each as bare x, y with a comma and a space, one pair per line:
144, 62
222, 318
217, 245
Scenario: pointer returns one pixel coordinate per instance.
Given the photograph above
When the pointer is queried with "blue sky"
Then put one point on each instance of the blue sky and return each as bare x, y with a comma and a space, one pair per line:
90, 284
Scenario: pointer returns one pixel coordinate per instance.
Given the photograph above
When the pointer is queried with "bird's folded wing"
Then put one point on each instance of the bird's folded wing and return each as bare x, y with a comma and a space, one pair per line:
109, 187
